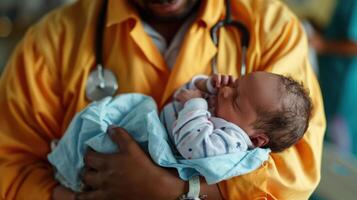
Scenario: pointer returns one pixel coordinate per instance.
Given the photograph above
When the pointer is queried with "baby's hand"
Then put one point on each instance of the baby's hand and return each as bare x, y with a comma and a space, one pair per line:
220, 80
185, 95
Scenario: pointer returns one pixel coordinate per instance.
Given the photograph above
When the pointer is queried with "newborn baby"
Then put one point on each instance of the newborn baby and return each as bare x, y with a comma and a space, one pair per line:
220, 114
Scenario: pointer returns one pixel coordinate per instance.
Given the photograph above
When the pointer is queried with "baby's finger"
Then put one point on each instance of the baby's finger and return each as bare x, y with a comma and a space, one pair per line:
180, 96
231, 79
216, 80
225, 80
197, 93
183, 95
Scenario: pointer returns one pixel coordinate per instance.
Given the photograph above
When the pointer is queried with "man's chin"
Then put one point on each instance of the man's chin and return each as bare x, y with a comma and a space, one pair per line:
175, 16
169, 15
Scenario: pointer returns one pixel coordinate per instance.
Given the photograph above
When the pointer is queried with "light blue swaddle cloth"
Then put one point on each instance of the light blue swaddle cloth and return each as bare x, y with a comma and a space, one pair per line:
138, 114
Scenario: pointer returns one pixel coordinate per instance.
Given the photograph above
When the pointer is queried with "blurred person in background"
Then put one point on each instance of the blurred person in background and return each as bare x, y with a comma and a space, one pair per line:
337, 46
312, 13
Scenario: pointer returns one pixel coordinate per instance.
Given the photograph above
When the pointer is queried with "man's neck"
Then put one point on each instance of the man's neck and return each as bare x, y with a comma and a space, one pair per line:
167, 29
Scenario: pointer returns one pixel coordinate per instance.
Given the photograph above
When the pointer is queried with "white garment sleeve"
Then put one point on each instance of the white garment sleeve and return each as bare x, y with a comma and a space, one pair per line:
191, 85
195, 135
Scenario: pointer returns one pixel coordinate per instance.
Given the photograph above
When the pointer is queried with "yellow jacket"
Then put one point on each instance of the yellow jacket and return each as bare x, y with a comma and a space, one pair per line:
43, 86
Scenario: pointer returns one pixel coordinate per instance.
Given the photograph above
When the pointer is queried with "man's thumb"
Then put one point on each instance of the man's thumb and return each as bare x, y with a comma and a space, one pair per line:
120, 136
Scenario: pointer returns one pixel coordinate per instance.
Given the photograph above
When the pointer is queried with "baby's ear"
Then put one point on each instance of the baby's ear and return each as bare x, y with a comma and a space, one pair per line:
259, 139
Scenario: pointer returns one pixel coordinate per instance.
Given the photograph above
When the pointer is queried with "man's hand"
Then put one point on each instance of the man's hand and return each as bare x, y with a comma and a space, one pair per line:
128, 174
62, 193
185, 95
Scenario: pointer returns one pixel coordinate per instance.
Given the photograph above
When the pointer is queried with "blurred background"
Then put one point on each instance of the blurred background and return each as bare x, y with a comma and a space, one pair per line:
331, 26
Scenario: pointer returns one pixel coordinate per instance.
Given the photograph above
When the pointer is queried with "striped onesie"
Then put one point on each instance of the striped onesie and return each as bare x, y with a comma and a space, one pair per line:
196, 133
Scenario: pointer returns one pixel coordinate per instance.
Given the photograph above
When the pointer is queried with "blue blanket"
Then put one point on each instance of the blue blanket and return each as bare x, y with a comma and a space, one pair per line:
138, 114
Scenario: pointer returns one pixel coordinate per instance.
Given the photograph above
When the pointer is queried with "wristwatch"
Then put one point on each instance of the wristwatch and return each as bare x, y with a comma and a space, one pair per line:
201, 197
194, 190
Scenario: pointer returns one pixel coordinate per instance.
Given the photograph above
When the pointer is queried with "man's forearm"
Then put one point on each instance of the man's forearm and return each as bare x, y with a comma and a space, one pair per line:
212, 191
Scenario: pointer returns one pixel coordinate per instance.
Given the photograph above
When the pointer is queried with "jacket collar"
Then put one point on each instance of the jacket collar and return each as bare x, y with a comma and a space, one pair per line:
119, 11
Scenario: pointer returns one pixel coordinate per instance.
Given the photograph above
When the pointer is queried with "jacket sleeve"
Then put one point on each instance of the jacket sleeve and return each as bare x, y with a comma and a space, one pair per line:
30, 118
294, 173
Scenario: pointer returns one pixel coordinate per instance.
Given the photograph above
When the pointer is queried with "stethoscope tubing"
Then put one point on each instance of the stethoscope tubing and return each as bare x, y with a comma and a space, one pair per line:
245, 37
98, 87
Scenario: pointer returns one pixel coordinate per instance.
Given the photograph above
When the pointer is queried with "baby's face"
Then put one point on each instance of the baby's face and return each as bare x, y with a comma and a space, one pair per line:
238, 102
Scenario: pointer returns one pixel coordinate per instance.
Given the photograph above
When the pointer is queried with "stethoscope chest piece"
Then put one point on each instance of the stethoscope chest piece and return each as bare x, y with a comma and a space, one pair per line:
101, 83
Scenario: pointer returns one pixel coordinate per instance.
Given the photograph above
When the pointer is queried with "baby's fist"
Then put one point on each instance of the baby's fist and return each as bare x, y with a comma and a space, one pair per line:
185, 95
220, 80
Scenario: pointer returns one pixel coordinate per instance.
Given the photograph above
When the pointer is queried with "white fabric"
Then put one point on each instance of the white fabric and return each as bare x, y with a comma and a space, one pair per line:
198, 135
169, 51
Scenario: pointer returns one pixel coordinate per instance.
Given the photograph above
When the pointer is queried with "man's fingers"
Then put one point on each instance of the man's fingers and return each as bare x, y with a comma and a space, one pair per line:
91, 179
95, 160
121, 137
91, 195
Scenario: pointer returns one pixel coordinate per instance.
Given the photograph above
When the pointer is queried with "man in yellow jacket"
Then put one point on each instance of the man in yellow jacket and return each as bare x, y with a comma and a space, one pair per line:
44, 83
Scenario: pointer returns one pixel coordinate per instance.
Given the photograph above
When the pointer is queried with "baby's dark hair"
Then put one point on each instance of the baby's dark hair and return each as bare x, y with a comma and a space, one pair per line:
287, 124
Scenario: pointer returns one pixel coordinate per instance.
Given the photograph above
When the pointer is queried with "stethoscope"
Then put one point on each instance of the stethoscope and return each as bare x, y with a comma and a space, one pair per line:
102, 82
